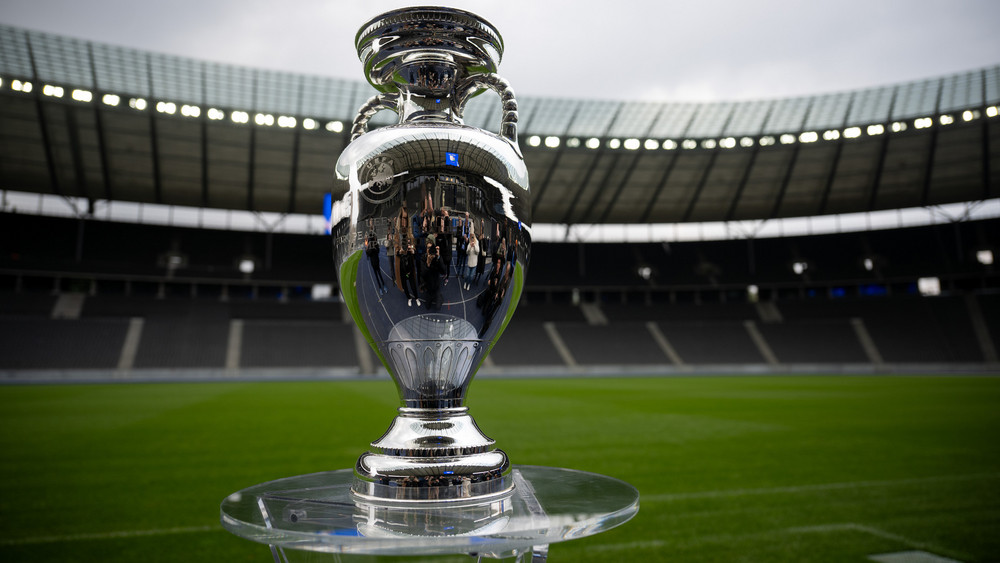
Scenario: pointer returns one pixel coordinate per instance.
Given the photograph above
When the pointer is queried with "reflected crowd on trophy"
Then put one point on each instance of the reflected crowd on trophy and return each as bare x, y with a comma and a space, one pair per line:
440, 256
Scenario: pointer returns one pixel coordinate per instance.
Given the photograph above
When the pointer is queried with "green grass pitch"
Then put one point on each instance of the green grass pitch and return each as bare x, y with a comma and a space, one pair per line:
806, 468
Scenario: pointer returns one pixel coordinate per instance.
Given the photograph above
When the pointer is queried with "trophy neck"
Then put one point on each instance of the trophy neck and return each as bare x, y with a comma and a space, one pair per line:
417, 106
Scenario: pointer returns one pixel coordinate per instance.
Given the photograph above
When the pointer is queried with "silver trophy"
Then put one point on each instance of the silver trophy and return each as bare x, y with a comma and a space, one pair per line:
432, 241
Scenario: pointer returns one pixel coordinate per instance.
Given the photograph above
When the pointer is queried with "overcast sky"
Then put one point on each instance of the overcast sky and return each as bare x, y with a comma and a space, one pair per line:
617, 49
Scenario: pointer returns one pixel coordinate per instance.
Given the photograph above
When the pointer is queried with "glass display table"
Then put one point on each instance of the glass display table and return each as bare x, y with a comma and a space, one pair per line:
309, 515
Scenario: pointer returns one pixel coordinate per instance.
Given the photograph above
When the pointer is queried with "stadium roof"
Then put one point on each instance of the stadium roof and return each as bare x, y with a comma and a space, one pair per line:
92, 120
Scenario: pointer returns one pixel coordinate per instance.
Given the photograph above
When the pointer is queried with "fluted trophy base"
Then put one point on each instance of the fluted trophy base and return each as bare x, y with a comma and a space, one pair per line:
430, 455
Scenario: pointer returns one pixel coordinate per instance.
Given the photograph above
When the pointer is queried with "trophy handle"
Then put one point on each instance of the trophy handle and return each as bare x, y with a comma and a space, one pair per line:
374, 105
465, 89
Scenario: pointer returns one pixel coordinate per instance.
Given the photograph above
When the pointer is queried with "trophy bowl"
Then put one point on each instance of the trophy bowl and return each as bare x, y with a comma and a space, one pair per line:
431, 243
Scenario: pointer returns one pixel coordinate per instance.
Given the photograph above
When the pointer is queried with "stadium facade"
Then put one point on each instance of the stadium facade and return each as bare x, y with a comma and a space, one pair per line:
101, 126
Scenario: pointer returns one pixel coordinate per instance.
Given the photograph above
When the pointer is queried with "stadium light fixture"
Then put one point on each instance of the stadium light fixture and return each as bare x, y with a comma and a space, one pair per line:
111, 99
82, 95
51, 90
246, 265
689, 144
669, 144
876, 129
809, 137
728, 142
552, 142
168, 108
946, 119
534, 141
190, 111
645, 272
992, 111
322, 291
970, 114
929, 286
651, 144
263, 119
984, 257
766, 141
923, 122
215, 114
138, 104
573, 142
799, 267
239, 117
614, 144
869, 264
335, 126
753, 293
746, 142
310, 124
898, 126
852, 132
831, 135
632, 144
708, 144
286, 121
593, 143
20, 86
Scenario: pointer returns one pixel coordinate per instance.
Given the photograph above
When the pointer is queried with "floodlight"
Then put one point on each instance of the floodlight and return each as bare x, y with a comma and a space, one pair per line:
166, 107
831, 135
708, 144
573, 142
534, 141
246, 265
669, 144
852, 132
239, 117
651, 144
263, 119
335, 126
799, 267
552, 142
898, 126
929, 286
808, 137
946, 119
82, 95
593, 143
689, 144
614, 143
137, 103
310, 124
216, 114
111, 99
632, 144
923, 122
54, 91
728, 142
984, 257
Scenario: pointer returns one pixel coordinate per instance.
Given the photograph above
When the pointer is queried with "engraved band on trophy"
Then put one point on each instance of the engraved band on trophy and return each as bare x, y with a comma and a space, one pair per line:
431, 243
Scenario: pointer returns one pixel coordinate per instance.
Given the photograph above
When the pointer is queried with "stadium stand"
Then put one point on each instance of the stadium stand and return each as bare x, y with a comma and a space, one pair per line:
84, 288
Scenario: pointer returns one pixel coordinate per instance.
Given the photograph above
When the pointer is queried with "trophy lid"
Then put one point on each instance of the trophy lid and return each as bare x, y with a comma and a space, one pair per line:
393, 44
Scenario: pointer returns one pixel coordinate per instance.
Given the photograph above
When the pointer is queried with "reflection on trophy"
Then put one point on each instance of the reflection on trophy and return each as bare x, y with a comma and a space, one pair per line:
432, 241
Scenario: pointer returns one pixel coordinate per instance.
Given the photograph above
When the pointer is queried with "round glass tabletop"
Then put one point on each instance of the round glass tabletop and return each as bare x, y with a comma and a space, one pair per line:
317, 512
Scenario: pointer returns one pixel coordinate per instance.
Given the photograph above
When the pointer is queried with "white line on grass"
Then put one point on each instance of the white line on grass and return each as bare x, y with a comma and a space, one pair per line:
666, 497
798, 530
109, 535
